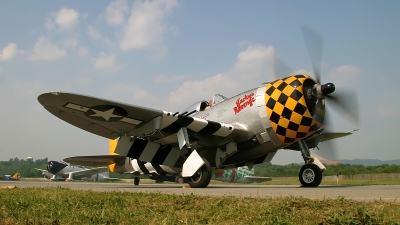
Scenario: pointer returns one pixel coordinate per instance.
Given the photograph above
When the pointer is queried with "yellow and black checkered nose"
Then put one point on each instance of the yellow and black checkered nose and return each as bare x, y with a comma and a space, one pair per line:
287, 109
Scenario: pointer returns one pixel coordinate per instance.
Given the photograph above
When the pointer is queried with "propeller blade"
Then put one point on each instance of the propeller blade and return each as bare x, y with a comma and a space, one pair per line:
328, 154
314, 42
345, 102
279, 69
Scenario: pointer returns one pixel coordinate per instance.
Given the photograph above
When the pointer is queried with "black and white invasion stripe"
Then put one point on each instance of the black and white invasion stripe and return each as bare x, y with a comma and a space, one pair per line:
146, 151
151, 168
172, 124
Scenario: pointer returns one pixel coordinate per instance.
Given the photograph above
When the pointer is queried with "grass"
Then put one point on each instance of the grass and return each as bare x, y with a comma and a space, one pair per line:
289, 181
65, 206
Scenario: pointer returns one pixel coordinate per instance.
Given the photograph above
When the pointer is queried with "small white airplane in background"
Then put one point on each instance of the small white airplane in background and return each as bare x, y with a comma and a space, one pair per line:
61, 171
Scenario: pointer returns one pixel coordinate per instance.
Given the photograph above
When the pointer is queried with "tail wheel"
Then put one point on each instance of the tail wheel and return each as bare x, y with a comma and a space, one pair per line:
310, 175
202, 177
136, 181
179, 180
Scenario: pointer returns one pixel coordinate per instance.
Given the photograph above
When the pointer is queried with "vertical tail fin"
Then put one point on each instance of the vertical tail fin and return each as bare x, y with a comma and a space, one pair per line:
112, 147
16, 176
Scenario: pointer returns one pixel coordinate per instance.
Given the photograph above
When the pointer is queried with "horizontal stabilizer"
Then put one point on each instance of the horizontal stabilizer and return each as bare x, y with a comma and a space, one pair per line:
95, 160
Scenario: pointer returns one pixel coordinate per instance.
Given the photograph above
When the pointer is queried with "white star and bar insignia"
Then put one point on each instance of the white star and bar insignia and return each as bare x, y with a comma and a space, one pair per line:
104, 113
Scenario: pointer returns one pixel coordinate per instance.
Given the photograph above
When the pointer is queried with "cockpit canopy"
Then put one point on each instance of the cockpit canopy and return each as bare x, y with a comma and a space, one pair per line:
202, 105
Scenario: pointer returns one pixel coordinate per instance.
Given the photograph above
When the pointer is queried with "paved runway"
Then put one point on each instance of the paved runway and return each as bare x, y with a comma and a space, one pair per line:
360, 193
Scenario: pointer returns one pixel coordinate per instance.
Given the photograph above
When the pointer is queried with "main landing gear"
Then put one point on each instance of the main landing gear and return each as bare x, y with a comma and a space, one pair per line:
202, 177
196, 169
311, 173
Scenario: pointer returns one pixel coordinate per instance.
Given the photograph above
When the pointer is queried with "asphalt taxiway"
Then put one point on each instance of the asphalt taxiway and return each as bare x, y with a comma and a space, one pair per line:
360, 193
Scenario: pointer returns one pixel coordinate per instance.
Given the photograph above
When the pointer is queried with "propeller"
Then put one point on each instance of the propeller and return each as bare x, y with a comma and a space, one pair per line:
278, 67
344, 101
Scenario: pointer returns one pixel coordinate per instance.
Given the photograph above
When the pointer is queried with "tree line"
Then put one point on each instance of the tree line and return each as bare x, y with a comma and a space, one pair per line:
27, 169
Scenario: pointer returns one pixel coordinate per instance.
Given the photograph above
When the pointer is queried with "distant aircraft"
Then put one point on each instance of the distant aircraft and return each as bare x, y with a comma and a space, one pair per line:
16, 176
239, 175
61, 171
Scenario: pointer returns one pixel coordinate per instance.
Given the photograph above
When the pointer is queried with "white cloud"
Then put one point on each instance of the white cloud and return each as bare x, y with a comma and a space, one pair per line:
249, 71
157, 53
49, 24
192, 91
145, 26
162, 78
67, 19
71, 41
82, 51
131, 94
106, 63
116, 11
345, 75
253, 62
93, 33
45, 50
8, 52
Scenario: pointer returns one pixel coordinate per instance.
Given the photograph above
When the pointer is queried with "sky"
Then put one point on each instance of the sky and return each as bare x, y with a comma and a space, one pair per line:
168, 54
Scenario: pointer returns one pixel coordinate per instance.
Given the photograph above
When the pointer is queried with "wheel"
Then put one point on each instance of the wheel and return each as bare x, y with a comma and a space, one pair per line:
310, 175
202, 177
179, 179
136, 181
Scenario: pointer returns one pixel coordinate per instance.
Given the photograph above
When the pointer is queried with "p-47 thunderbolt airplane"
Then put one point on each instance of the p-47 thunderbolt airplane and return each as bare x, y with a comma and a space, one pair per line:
243, 130
61, 171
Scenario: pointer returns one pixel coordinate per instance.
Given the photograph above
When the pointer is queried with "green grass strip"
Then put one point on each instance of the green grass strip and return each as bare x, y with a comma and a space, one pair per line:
65, 206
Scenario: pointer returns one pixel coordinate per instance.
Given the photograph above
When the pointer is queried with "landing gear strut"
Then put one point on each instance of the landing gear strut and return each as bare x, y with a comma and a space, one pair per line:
311, 173
196, 169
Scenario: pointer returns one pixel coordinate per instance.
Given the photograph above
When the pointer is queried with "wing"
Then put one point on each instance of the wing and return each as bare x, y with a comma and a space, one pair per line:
88, 172
112, 119
318, 137
102, 117
257, 179
95, 160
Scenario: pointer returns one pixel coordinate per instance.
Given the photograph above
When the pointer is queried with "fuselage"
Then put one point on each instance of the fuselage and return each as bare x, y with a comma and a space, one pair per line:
274, 115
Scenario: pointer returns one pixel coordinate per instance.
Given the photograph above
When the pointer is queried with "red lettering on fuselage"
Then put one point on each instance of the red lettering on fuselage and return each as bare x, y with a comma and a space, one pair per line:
242, 103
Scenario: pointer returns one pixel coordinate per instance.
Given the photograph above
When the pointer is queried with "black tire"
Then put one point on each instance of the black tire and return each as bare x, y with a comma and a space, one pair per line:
310, 175
136, 180
202, 177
